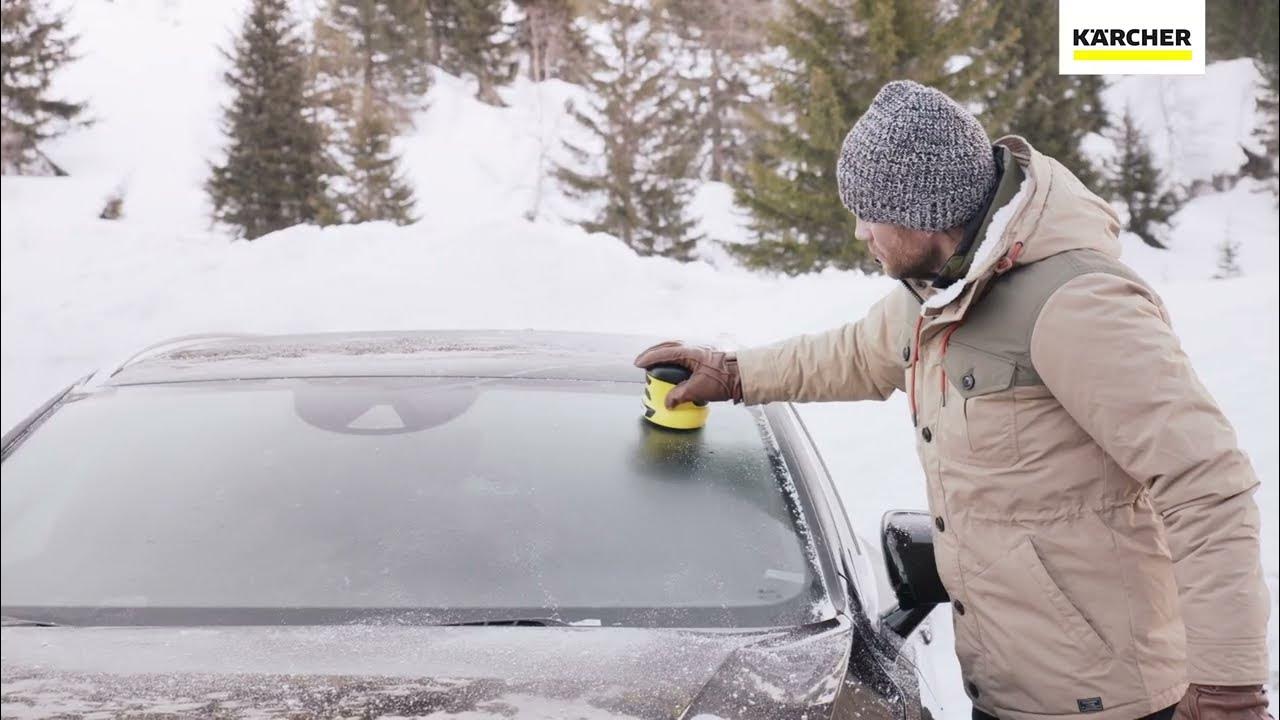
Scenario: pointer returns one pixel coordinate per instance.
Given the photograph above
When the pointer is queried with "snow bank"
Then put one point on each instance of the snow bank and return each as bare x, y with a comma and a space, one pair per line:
1195, 124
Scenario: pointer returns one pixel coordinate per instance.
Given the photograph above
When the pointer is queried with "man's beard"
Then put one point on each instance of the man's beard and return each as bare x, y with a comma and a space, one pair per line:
924, 267
920, 271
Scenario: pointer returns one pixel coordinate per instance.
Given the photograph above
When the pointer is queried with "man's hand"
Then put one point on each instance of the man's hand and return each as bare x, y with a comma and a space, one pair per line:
715, 372
1222, 702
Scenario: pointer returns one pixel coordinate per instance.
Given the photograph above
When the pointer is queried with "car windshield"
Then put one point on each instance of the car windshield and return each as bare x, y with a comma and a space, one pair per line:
407, 500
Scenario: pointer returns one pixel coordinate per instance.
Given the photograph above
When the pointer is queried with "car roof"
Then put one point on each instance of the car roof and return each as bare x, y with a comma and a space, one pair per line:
534, 354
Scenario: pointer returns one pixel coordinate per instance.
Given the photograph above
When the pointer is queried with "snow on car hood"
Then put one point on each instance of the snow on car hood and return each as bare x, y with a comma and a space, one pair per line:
474, 672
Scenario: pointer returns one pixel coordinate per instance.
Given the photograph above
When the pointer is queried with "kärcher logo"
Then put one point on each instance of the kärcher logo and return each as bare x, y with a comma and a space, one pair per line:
1132, 37
1128, 44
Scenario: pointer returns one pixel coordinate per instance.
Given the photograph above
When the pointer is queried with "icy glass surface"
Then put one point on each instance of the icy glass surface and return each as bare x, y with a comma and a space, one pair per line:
459, 499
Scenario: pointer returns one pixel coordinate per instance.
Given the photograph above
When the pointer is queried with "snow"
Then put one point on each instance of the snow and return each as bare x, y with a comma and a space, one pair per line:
1195, 124
494, 249
720, 222
1245, 214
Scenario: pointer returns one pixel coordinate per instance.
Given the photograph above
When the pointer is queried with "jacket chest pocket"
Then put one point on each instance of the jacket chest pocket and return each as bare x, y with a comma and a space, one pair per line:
980, 418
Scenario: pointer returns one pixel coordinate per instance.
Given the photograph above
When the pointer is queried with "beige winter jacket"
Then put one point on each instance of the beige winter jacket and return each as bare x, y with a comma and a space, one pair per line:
1094, 519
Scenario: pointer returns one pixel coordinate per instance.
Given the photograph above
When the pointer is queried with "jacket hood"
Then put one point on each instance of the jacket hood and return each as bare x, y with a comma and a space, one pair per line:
1052, 212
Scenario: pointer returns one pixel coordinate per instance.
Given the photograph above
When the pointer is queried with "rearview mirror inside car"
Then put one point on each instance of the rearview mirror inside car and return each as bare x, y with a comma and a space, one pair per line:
907, 537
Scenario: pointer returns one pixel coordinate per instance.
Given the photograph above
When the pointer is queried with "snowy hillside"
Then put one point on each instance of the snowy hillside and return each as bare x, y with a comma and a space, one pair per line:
1195, 124
78, 292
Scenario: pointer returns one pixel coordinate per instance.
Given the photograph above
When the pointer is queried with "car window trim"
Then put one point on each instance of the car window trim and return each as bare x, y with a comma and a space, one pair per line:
804, 472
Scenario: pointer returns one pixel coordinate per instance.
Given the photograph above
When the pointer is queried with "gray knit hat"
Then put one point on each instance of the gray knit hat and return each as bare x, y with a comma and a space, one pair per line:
916, 159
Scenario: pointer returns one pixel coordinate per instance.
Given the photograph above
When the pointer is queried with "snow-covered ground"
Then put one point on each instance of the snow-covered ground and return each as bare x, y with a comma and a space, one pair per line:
78, 292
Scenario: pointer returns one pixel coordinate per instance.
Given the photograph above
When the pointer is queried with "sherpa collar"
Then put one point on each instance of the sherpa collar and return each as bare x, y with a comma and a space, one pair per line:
1014, 187
1002, 190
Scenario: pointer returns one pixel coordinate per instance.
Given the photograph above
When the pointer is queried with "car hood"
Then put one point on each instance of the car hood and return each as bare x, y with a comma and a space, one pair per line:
303, 672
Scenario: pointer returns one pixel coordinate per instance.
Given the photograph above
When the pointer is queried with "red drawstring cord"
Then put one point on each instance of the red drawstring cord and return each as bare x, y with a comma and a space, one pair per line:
946, 340
915, 360
1015, 252
1002, 266
1006, 263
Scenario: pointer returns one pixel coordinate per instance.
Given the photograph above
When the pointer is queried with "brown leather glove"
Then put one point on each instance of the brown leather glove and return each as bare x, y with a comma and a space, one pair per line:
1222, 702
715, 372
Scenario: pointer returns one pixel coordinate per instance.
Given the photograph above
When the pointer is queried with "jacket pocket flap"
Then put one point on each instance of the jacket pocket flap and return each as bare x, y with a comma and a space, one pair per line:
974, 372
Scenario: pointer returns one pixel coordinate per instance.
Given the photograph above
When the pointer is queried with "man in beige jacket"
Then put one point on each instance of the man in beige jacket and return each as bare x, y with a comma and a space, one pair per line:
1094, 519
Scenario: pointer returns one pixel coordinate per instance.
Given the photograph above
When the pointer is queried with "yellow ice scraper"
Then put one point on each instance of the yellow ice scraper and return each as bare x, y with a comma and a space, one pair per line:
658, 381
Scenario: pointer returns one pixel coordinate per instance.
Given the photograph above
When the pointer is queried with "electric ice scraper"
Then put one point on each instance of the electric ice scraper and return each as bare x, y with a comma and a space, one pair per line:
660, 380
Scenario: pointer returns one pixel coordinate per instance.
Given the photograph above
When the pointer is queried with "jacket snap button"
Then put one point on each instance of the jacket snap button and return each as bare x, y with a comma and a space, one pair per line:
959, 606
967, 381
973, 689
906, 353
939, 523
927, 434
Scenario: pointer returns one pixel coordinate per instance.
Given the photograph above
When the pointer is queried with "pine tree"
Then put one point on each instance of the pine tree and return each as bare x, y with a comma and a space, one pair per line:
372, 46
366, 70
470, 38
725, 39
36, 45
1054, 112
1228, 260
1268, 102
1239, 28
547, 34
1132, 178
639, 117
377, 190
840, 52
274, 172
1268, 131
1248, 28
113, 208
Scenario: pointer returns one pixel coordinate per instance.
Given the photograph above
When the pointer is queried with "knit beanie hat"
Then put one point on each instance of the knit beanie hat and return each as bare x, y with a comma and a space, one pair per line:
916, 159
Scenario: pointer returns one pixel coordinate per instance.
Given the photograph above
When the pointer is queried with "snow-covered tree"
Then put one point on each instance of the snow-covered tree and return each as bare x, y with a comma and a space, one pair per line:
368, 81
1248, 28
547, 34
1268, 62
376, 190
470, 38
1133, 179
639, 119
36, 45
113, 208
725, 40
1228, 260
372, 47
273, 175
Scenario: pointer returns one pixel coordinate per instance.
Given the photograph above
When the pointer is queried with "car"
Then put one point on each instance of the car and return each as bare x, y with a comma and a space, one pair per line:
475, 523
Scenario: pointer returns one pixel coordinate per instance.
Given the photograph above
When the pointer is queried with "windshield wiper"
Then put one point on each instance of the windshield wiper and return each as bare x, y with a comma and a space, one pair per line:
7, 621
511, 622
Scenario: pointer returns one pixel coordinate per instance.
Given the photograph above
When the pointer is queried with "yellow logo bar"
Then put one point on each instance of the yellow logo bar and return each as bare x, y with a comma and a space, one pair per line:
1131, 54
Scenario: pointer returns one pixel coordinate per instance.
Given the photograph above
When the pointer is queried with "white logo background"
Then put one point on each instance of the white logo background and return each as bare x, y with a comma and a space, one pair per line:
1125, 14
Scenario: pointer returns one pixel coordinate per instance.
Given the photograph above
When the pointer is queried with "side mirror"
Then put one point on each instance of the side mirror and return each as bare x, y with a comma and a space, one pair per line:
907, 538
